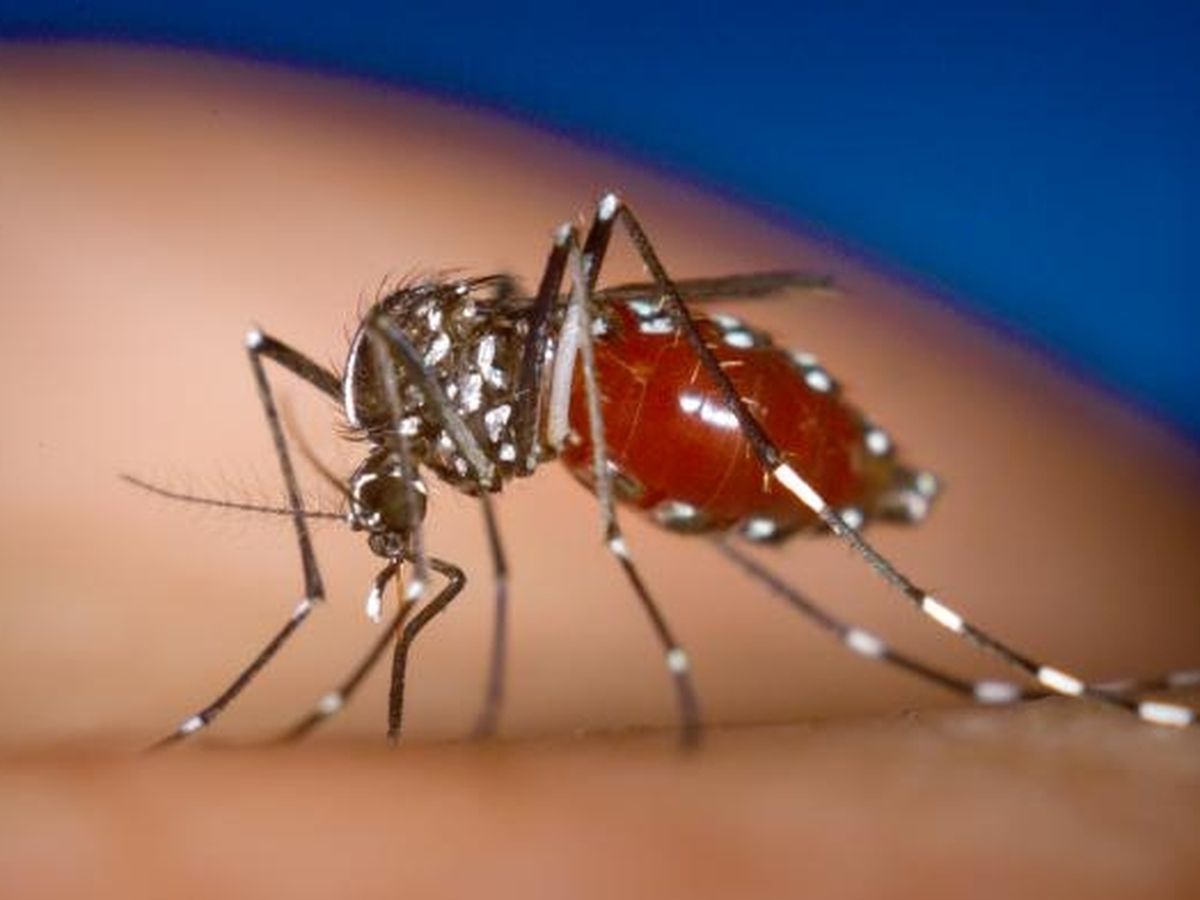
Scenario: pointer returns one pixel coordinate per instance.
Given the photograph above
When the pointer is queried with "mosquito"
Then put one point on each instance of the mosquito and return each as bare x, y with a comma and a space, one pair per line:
476, 383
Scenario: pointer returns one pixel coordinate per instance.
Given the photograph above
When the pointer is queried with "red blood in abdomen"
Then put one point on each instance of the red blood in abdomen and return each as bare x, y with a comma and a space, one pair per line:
668, 429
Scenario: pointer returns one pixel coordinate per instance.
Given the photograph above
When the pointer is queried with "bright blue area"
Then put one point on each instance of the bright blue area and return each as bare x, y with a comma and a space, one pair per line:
1040, 162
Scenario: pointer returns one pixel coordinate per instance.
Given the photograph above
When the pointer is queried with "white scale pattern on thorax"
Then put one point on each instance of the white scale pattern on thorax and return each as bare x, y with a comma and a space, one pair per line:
475, 358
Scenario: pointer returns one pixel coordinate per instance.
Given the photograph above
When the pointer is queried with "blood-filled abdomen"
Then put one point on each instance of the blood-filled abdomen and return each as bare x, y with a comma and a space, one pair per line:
676, 447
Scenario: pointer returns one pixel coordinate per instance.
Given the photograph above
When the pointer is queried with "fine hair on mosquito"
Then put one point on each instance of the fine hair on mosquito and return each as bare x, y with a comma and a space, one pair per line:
476, 383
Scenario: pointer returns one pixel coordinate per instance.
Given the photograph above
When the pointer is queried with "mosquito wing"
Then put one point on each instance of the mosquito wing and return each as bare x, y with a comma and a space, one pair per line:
743, 286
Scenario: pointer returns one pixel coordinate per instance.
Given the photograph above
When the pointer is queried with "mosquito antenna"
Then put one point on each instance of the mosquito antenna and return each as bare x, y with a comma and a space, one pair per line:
226, 504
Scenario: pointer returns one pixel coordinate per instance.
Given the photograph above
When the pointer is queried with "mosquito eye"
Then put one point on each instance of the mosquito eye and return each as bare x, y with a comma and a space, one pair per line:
387, 497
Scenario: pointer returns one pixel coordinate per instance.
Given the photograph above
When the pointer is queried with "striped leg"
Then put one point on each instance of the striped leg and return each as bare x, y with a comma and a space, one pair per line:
455, 581
867, 644
610, 209
259, 345
871, 646
393, 346
334, 701
576, 336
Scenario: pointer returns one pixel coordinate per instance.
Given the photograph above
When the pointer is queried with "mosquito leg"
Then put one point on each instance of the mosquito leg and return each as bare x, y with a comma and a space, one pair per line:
456, 580
578, 323
575, 338
773, 462
570, 336
1180, 680
867, 644
493, 697
259, 345
533, 359
335, 701
398, 349
398, 443
205, 717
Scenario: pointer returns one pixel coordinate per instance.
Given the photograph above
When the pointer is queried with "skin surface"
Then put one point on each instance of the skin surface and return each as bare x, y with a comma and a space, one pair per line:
157, 206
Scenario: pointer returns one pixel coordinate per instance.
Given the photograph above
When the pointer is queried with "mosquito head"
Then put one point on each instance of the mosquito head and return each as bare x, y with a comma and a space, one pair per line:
383, 504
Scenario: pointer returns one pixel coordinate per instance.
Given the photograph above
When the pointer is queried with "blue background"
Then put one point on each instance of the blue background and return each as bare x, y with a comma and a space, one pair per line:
1037, 162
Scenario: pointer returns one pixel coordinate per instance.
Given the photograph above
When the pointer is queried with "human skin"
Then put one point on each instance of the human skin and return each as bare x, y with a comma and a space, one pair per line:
157, 206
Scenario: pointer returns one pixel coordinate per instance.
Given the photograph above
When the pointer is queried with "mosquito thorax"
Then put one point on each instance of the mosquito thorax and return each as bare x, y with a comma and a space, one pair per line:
470, 343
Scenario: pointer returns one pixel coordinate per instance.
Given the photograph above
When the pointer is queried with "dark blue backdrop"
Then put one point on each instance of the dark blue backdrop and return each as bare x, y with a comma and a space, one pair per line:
1038, 161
